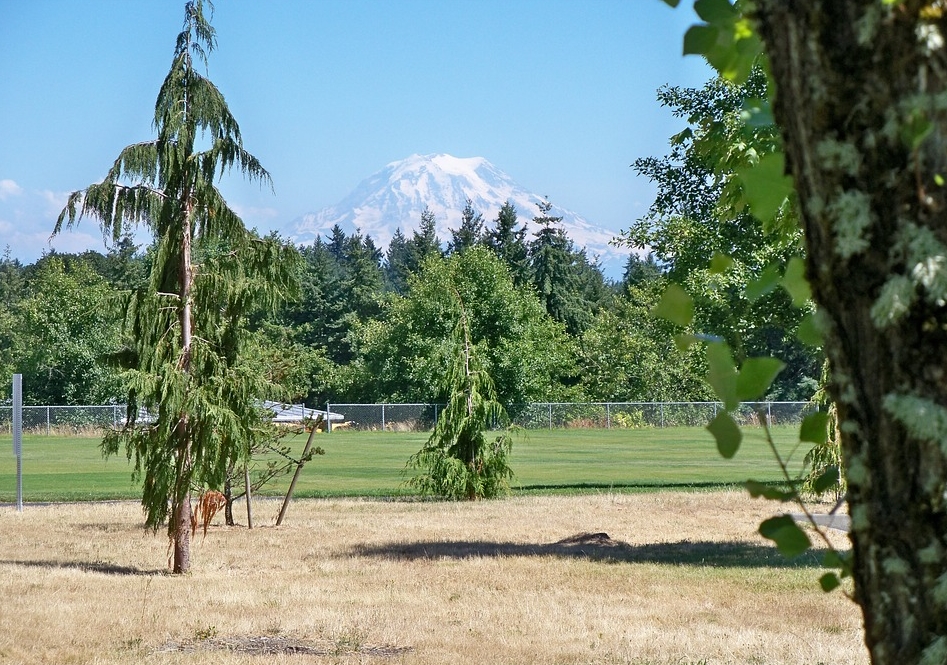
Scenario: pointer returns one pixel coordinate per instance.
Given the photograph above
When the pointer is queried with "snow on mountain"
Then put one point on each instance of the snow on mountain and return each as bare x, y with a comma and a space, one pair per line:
395, 197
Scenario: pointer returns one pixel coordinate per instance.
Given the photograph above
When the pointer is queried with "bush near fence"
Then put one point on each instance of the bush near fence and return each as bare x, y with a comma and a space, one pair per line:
93, 420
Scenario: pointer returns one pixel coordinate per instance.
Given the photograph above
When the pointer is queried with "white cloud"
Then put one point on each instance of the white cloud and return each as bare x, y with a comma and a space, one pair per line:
55, 201
9, 188
250, 213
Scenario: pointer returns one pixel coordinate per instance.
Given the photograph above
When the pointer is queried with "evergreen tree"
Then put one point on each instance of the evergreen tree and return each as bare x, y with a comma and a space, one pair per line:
396, 263
336, 244
186, 325
424, 242
470, 232
553, 272
640, 271
509, 243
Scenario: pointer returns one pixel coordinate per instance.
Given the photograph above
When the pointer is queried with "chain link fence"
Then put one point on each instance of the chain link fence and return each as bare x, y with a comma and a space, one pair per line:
64, 420
565, 415
90, 420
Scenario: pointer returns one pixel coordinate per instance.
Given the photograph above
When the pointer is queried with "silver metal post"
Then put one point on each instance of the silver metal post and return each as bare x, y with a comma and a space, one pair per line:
18, 437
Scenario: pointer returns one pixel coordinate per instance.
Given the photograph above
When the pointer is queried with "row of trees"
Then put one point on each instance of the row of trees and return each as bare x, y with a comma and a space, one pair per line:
368, 327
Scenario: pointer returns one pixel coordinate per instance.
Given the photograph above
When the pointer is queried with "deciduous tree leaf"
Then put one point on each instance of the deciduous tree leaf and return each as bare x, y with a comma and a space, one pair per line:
684, 342
791, 541
808, 332
722, 374
700, 39
675, 306
767, 491
727, 434
765, 283
795, 282
829, 582
756, 376
720, 263
766, 185
716, 11
815, 428
828, 479
840, 560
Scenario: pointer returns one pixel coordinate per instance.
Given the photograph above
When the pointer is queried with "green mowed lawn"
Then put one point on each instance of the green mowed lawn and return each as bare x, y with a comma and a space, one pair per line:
373, 463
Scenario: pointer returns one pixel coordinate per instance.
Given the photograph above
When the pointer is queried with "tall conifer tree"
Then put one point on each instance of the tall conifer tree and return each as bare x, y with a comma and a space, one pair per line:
186, 325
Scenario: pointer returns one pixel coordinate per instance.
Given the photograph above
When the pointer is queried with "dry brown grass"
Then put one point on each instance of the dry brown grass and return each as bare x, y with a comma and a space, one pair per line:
683, 578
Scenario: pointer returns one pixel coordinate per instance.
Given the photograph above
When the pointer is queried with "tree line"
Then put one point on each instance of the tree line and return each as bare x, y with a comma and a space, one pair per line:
368, 326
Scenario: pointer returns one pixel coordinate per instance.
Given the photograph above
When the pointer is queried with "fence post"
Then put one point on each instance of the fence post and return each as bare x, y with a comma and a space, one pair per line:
47, 420
435, 415
608, 416
18, 437
769, 414
328, 419
550, 415
662, 414
383, 417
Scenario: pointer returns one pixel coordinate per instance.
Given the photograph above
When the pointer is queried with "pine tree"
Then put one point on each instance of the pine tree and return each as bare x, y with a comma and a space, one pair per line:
187, 323
553, 271
470, 232
424, 242
509, 243
396, 263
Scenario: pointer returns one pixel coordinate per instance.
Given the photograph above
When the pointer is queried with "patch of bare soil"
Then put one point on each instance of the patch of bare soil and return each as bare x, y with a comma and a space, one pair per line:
279, 645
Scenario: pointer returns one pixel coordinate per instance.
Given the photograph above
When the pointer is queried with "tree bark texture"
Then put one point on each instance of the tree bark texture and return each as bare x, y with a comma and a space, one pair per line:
856, 83
181, 536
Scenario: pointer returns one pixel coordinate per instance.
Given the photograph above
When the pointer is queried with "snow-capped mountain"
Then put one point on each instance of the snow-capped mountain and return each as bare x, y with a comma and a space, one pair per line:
395, 197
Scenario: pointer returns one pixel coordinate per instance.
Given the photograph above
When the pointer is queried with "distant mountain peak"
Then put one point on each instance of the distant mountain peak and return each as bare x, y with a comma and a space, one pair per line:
395, 196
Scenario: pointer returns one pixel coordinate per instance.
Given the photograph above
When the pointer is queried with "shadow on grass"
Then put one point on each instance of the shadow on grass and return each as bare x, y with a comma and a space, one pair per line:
599, 547
86, 566
588, 488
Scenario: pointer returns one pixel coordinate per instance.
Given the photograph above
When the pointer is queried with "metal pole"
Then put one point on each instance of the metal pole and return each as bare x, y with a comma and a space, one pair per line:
18, 437
47, 421
382, 417
328, 419
608, 416
662, 414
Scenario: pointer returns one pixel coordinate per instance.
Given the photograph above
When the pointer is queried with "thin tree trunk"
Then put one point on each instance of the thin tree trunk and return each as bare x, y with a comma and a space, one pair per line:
182, 536
299, 468
848, 74
228, 495
246, 482
181, 532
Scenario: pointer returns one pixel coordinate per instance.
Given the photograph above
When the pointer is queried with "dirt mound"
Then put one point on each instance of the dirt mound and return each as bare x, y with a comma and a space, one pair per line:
587, 538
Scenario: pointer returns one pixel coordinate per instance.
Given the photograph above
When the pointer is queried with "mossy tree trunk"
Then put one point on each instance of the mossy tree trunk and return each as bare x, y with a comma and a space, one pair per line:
862, 100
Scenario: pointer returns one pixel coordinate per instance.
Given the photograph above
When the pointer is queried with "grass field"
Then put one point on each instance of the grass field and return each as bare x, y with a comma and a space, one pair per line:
372, 463
681, 578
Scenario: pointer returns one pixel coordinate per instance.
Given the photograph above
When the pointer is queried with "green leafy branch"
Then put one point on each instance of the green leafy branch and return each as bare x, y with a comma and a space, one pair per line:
750, 380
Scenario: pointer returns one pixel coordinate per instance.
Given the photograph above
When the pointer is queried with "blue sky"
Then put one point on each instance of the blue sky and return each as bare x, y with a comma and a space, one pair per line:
560, 94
